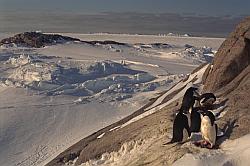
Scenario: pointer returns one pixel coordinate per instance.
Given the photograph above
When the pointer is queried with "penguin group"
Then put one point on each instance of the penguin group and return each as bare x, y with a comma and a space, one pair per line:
195, 109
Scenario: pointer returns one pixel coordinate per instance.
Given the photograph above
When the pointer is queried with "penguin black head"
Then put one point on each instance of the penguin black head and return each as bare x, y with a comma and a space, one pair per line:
192, 89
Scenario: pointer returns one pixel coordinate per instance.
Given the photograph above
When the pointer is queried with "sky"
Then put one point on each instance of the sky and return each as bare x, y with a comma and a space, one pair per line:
124, 16
200, 7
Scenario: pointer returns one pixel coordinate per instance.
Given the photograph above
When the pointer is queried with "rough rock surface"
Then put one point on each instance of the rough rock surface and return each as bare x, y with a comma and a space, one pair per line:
232, 57
36, 39
229, 78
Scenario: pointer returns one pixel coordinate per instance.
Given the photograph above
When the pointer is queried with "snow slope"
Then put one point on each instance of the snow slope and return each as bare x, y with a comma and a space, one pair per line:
132, 152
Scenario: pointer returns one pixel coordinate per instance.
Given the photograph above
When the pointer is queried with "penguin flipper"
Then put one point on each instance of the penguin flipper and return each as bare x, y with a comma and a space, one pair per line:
219, 134
188, 129
216, 129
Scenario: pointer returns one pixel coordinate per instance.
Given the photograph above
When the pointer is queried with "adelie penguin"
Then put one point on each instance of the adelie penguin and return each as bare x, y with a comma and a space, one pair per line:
207, 99
208, 129
180, 123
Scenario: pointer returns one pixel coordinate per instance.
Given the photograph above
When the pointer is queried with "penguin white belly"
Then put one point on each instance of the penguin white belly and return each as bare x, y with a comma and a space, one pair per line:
208, 131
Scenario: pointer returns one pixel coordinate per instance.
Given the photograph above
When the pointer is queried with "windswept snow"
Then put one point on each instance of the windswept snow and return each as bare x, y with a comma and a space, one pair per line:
54, 96
127, 153
233, 153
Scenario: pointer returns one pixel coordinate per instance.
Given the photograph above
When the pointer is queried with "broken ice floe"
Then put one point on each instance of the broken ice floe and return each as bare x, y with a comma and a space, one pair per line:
107, 80
198, 55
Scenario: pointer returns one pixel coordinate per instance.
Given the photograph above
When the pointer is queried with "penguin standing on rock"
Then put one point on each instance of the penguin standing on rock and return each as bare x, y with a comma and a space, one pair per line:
208, 129
180, 123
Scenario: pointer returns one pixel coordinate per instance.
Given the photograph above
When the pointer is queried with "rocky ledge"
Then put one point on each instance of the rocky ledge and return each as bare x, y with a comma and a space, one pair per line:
229, 78
36, 39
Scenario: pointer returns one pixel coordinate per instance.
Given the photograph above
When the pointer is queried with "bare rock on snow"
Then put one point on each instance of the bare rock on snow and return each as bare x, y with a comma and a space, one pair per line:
36, 39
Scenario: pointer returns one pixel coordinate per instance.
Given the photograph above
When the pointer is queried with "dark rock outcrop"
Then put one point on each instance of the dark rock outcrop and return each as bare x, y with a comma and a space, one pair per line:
232, 57
36, 39
229, 78
105, 42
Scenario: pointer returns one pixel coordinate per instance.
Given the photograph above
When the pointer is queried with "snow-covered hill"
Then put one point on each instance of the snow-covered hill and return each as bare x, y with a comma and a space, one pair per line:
52, 97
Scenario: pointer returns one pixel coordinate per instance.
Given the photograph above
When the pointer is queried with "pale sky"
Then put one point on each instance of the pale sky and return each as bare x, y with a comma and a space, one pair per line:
206, 7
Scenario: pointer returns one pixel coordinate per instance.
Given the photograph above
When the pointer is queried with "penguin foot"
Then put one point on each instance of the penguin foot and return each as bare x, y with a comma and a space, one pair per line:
198, 143
203, 144
207, 145
167, 143
170, 142
210, 146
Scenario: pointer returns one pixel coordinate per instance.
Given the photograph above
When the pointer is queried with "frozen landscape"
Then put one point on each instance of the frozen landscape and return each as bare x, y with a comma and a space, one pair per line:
142, 138
53, 96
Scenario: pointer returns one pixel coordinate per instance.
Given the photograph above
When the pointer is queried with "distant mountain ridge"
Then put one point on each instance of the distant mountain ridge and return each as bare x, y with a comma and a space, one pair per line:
117, 22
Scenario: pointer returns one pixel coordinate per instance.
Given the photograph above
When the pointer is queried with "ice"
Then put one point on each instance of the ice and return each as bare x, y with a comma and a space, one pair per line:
115, 128
21, 60
198, 55
71, 78
100, 136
